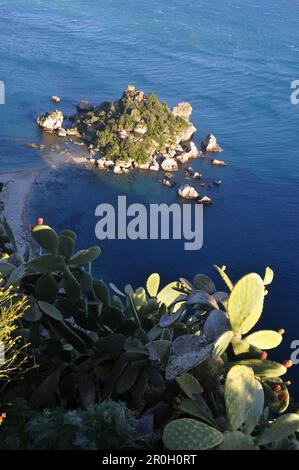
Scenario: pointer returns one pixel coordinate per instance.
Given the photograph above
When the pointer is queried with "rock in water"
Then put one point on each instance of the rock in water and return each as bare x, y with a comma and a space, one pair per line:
209, 144
218, 162
169, 164
188, 192
205, 200
61, 132
154, 165
73, 132
55, 99
51, 122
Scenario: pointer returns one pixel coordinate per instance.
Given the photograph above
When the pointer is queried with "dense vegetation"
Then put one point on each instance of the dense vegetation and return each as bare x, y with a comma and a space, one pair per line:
176, 367
133, 128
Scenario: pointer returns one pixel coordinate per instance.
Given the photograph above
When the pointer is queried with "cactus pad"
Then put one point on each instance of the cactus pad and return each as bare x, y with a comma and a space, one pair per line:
239, 395
189, 434
152, 284
189, 384
245, 303
264, 339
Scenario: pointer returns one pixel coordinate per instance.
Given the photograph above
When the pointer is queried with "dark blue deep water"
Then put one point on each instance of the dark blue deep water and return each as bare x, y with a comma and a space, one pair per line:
233, 61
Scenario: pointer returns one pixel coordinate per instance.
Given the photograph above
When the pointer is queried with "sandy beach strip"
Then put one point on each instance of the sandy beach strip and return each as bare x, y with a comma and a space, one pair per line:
15, 193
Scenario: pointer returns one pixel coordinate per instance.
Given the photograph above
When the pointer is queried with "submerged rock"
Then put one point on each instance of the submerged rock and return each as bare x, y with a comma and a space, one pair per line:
188, 192
50, 122
209, 144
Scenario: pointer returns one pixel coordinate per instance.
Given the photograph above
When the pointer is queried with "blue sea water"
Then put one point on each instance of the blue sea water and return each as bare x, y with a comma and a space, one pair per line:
233, 61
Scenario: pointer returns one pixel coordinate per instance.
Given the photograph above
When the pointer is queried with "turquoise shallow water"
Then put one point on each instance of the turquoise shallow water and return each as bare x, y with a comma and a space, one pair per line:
233, 61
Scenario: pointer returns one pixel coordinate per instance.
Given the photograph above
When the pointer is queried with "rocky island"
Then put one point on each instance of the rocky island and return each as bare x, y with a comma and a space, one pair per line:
137, 131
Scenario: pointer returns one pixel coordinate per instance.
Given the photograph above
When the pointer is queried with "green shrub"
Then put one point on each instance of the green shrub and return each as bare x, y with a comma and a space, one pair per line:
109, 425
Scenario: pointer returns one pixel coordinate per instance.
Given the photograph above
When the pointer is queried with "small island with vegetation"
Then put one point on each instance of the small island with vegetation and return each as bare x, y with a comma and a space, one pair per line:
137, 131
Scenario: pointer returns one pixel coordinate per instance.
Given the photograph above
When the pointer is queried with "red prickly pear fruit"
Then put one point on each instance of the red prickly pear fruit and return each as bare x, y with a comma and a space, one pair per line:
281, 331
264, 356
281, 397
276, 388
40, 221
30, 228
288, 363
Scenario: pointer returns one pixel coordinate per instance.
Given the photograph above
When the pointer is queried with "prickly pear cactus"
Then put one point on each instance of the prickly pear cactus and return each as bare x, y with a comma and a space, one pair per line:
282, 427
256, 410
189, 434
192, 408
239, 395
187, 361
221, 344
152, 284
268, 277
277, 394
168, 294
46, 237
245, 303
237, 440
189, 384
264, 339
264, 368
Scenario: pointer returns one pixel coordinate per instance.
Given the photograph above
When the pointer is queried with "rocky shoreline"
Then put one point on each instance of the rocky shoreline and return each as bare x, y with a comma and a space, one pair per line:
135, 132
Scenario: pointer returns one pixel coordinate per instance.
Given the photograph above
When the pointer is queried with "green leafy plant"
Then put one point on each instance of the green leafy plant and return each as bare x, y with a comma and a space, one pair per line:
239, 422
110, 425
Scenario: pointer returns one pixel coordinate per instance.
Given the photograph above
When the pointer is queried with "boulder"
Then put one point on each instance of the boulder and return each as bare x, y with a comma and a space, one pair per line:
205, 200
190, 152
169, 164
218, 162
188, 192
154, 165
196, 175
209, 144
84, 106
217, 182
100, 163
73, 132
183, 158
118, 170
51, 122
108, 163
183, 110
55, 99
168, 183
142, 166
61, 132
123, 164
193, 150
